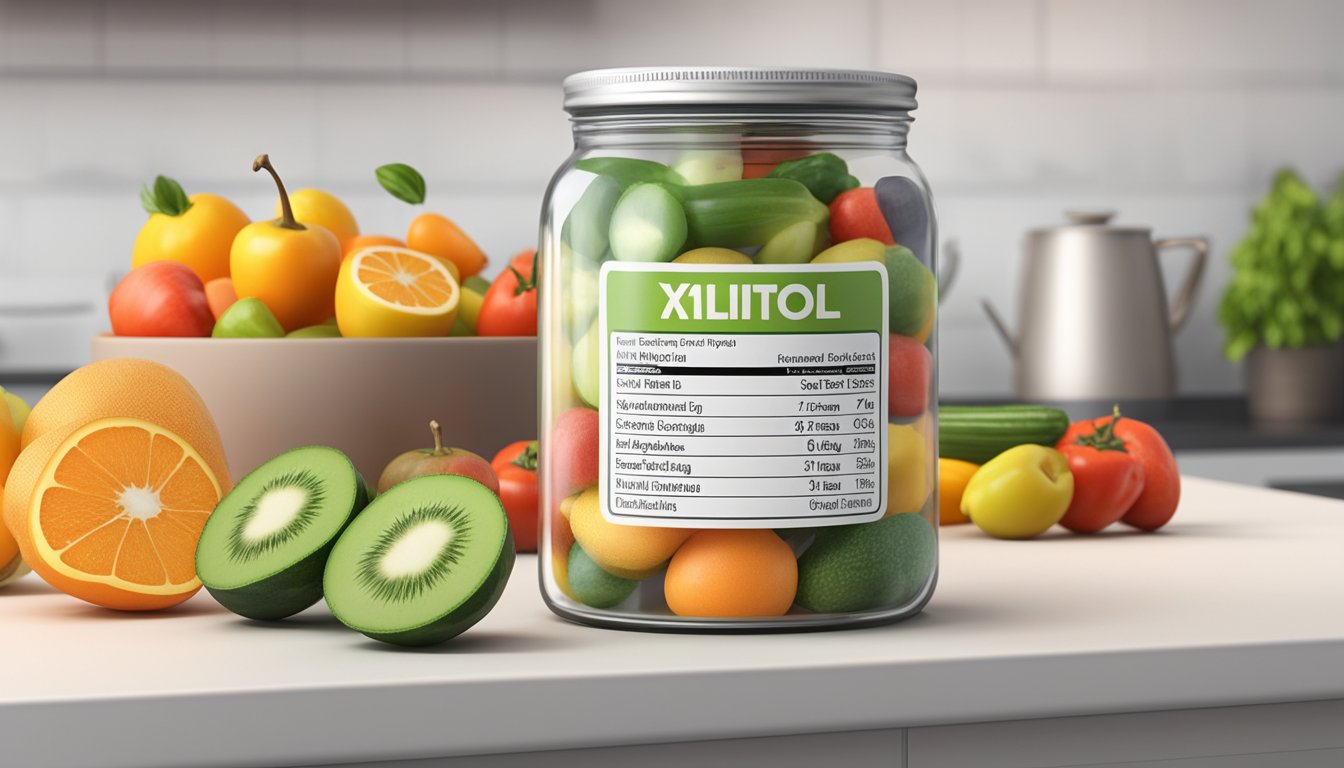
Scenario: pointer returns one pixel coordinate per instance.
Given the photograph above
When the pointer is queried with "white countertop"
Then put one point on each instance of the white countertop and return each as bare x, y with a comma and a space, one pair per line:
1238, 601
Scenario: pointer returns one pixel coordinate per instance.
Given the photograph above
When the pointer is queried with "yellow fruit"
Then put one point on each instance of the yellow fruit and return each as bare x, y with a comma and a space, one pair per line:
9, 446
111, 512
385, 291
712, 255
135, 389
468, 310
907, 469
199, 238
628, 551
18, 409
313, 206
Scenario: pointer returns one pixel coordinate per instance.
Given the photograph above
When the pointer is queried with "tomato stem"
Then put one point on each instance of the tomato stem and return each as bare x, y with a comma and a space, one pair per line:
525, 285
437, 431
1103, 437
287, 219
528, 458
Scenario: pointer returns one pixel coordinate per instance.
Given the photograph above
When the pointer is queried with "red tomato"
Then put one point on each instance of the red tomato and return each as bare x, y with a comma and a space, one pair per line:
516, 467
910, 375
161, 298
572, 451
510, 305
854, 214
1106, 484
1161, 492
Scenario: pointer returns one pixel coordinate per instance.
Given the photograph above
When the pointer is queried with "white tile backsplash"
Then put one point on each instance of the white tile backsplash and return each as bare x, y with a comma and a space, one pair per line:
1174, 112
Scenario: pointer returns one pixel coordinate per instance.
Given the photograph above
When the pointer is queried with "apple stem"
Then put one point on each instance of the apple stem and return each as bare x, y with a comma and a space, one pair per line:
437, 431
287, 219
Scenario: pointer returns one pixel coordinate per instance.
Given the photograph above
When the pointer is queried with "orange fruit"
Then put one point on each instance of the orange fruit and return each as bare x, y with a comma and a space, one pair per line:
387, 291
10, 443
219, 294
360, 242
437, 235
732, 574
136, 389
111, 512
199, 238
953, 475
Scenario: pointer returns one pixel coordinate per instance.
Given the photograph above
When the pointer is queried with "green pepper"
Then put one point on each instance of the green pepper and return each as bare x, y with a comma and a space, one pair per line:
824, 174
747, 213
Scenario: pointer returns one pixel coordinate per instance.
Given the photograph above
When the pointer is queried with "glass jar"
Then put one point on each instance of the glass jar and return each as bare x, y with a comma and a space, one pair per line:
738, 346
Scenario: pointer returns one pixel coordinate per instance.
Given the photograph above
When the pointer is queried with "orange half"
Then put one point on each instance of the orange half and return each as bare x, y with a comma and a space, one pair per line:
116, 514
389, 291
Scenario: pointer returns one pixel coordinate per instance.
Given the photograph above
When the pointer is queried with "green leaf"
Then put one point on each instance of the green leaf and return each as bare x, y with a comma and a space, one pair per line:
166, 197
402, 182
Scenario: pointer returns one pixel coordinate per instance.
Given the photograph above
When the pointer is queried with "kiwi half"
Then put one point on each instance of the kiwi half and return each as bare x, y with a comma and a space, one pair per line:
428, 559
263, 549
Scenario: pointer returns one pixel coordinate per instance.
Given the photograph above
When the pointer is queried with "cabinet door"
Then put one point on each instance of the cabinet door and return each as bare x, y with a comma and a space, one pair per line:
1299, 735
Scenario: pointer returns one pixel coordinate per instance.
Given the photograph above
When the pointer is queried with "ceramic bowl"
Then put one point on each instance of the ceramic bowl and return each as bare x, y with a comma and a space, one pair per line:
371, 398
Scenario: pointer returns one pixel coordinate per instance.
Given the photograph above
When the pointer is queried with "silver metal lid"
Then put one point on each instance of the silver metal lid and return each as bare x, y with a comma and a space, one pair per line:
739, 86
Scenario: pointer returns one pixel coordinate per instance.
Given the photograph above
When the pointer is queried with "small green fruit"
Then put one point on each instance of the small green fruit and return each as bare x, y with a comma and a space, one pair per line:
323, 331
884, 564
248, 318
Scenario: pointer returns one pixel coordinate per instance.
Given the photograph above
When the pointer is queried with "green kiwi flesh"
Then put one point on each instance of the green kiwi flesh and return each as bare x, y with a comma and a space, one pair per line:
423, 563
263, 549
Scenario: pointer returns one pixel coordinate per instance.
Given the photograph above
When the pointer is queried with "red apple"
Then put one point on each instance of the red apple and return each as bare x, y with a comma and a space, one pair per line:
573, 451
161, 298
438, 461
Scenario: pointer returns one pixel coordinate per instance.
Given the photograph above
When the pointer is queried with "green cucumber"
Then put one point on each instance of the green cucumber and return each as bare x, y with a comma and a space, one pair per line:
748, 212
978, 433
647, 224
629, 171
586, 228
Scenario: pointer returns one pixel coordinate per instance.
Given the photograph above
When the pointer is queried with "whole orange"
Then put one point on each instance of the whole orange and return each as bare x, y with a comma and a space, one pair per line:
732, 574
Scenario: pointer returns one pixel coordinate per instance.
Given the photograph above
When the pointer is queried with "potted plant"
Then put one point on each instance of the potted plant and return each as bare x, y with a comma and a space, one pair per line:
1284, 308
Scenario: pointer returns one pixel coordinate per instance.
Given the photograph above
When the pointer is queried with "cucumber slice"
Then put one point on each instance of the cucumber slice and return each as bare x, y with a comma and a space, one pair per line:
427, 560
648, 225
262, 550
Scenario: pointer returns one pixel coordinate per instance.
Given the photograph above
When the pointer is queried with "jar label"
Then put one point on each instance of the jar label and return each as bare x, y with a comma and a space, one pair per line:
743, 396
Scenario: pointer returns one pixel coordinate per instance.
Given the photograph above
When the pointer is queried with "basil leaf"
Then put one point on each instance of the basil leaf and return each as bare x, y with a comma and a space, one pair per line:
166, 197
402, 182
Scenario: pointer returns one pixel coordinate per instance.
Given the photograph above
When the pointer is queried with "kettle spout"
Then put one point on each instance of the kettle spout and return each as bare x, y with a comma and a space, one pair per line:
1000, 326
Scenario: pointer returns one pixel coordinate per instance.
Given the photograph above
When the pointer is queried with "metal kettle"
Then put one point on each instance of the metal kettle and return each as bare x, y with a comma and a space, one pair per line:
1093, 320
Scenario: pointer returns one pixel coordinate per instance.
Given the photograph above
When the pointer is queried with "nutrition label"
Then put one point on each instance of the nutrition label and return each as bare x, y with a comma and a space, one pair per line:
744, 429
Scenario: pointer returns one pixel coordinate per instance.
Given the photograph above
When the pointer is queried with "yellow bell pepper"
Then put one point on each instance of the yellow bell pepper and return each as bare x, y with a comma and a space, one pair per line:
953, 475
1020, 493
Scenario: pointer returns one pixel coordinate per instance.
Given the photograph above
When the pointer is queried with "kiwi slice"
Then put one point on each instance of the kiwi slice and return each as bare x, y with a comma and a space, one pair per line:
428, 559
262, 550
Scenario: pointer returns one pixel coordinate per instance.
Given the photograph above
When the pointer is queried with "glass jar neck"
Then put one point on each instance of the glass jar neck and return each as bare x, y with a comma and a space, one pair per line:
776, 128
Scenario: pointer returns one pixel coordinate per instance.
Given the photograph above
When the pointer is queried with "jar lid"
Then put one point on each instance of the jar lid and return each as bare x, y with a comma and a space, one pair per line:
804, 89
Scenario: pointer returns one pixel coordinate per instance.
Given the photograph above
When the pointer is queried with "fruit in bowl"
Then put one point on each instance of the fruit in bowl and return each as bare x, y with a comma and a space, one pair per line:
196, 231
161, 298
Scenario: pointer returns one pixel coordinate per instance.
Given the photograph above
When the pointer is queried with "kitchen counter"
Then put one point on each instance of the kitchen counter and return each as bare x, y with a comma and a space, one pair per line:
1235, 605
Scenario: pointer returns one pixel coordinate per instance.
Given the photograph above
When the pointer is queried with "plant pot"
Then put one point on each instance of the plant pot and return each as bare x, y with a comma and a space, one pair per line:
1297, 386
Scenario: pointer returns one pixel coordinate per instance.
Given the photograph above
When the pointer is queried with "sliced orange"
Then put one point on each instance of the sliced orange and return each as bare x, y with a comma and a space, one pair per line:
115, 515
388, 291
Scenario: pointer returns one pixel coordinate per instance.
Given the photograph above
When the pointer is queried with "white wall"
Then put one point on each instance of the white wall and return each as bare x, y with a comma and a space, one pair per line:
1174, 112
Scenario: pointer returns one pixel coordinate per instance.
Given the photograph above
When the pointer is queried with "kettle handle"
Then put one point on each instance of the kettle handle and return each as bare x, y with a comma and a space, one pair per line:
1185, 297
1008, 336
